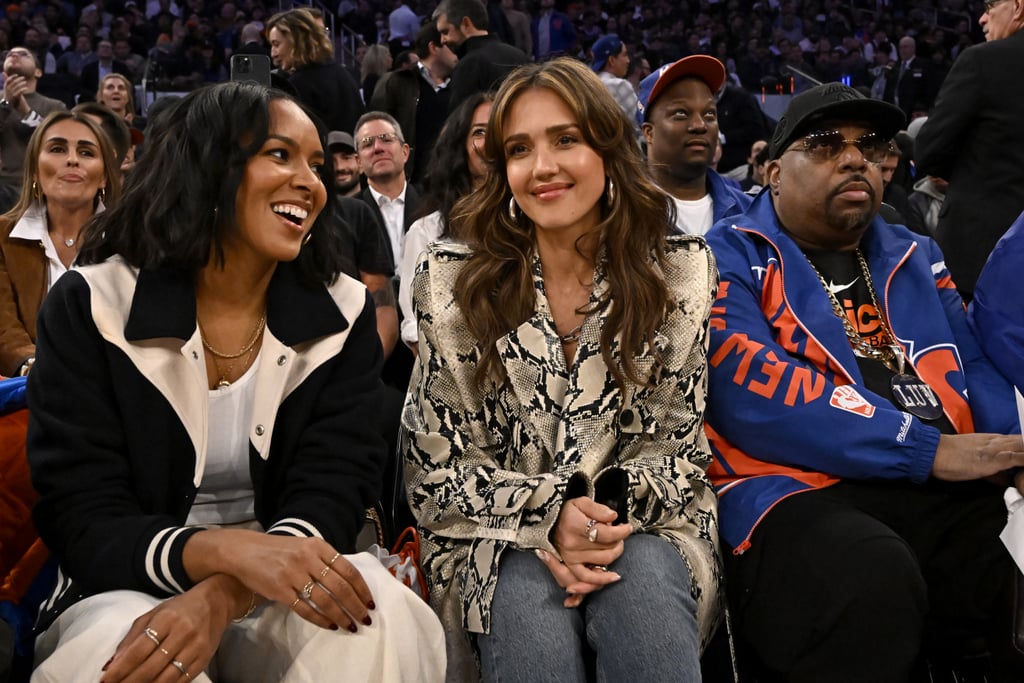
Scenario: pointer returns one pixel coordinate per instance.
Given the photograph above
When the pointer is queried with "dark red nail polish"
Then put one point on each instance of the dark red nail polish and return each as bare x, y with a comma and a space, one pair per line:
371, 605
352, 628
106, 665
334, 627
367, 621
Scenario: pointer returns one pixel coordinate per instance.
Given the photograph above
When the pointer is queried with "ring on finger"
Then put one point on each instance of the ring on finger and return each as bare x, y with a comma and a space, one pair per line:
592, 531
599, 567
180, 667
152, 635
165, 652
295, 603
307, 590
323, 572
334, 559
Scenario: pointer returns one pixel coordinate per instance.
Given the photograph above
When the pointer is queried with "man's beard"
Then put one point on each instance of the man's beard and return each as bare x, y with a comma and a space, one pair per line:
347, 186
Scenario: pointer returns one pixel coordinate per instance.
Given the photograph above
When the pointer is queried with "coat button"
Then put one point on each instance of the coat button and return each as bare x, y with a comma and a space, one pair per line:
626, 417
281, 360
259, 430
195, 356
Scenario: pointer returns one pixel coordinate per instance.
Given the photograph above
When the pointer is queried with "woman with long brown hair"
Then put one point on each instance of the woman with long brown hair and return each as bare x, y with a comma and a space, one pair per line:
556, 450
70, 172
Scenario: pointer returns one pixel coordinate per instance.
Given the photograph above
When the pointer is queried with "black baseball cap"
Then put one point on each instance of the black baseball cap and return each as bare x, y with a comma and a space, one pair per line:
833, 101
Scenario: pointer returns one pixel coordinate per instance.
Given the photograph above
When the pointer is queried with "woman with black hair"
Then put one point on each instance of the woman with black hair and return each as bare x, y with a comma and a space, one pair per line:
456, 168
201, 428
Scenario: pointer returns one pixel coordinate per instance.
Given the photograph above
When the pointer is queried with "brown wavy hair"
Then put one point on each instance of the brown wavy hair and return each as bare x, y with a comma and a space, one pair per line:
310, 44
495, 288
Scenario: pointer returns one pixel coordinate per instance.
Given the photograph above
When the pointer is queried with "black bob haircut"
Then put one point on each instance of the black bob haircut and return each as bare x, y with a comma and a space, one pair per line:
179, 199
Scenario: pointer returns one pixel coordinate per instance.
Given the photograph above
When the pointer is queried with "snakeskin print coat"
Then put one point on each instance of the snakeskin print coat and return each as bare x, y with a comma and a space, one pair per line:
487, 467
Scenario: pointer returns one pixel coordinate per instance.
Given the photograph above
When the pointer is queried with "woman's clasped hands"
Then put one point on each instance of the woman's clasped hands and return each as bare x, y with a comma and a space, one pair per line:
588, 541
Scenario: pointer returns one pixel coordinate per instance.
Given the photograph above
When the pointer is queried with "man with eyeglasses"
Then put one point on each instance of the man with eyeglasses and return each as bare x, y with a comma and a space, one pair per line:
839, 417
383, 154
21, 110
974, 139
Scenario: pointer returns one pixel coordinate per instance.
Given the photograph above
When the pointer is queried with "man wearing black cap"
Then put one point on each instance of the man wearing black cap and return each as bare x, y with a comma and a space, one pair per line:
345, 161
679, 121
840, 417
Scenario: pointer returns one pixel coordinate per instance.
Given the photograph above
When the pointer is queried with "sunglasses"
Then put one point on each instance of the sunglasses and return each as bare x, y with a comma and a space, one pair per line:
828, 145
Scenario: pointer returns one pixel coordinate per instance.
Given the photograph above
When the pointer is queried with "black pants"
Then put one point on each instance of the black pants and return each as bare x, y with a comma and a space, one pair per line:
848, 583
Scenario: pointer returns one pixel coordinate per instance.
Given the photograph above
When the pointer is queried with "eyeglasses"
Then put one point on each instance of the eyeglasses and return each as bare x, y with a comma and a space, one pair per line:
989, 4
370, 140
18, 53
828, 145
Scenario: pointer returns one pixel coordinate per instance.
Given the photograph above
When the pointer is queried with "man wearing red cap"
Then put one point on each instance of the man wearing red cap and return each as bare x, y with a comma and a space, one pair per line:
678, 117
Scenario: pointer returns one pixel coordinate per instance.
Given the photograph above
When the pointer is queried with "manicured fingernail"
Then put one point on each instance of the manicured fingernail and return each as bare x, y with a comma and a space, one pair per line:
615, 577
352, 628
107, 664
367, 621
371, 605
569, 592
542, 555
334, 627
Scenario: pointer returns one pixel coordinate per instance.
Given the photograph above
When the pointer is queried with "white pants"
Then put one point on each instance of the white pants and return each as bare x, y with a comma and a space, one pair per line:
405, 642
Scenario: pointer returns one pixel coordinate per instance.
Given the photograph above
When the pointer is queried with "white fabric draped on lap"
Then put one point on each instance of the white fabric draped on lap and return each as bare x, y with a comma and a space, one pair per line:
405, 642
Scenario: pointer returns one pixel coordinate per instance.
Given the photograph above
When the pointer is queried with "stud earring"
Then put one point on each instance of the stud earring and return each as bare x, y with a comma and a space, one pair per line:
513, 210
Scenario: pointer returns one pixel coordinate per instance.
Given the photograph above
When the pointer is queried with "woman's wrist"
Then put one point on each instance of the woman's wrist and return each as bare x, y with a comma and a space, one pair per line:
228, 597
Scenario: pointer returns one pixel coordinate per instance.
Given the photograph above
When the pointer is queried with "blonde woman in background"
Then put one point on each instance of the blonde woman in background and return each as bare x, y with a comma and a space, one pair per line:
376, 62
302, 50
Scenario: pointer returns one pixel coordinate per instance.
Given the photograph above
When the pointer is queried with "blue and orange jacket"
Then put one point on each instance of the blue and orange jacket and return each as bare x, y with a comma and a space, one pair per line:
787, 410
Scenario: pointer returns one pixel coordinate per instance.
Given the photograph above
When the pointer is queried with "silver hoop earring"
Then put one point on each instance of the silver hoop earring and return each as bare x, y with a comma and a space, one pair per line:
513, 210
611, 191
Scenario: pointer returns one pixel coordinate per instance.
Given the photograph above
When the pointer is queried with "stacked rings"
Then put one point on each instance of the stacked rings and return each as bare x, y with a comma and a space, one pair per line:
152, 635
591, 532
307, 590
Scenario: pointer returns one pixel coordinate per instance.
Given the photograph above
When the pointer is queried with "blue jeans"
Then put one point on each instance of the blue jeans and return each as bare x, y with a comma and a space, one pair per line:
642, 628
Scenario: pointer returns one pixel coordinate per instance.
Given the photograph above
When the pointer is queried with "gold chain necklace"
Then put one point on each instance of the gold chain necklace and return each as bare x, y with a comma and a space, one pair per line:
245, 349
891, 355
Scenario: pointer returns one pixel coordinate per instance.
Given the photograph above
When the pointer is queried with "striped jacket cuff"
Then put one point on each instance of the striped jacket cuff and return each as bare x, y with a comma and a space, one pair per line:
293, 526
164, 565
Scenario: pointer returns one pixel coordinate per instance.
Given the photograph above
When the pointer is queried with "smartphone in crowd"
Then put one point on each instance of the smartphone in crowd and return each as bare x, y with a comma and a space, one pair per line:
251, 68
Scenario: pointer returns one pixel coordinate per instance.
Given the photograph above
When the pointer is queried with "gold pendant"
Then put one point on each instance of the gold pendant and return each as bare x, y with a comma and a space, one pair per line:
223, 383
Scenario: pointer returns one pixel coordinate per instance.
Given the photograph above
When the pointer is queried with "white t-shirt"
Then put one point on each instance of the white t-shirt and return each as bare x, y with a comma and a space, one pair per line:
225, 493
694, 217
